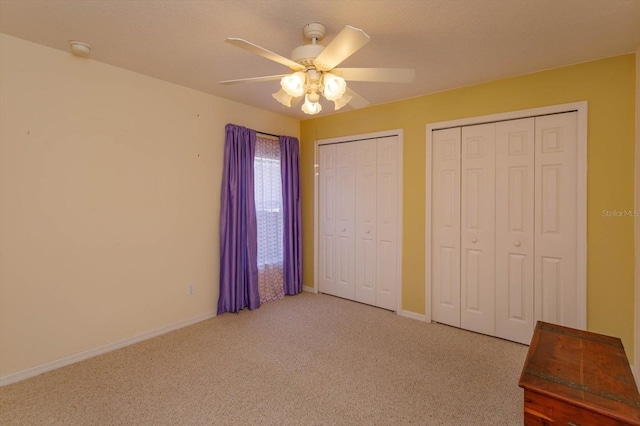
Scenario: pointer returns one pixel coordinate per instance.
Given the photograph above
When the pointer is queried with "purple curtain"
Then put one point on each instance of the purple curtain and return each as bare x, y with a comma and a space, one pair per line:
238, 231
292, 214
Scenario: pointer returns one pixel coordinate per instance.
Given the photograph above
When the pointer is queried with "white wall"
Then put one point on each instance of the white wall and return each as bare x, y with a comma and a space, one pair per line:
109, 204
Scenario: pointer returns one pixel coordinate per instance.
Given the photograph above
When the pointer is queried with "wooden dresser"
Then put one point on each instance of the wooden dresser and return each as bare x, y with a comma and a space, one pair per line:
574, 377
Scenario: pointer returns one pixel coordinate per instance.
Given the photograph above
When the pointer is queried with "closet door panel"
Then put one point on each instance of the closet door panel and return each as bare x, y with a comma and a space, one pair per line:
514, 230
477, 238
327, 219
445, 261
345, 220
365, 224
388, 198
555, 223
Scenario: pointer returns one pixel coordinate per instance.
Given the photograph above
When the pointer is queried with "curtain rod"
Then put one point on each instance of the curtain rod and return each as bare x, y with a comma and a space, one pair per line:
268, 134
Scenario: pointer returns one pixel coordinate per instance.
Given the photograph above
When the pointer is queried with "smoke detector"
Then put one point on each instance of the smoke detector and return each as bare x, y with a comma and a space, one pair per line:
79, 48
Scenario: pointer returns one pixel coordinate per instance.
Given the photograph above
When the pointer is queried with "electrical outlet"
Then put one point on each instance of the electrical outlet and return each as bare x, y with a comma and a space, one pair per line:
191, 290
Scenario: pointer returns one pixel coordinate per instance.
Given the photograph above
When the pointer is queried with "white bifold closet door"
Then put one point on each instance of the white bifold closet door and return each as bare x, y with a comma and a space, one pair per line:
345, 192
366, 222
358, 220
555, 218
327, 271
445, 226
503, 225
389, 197
477, 236
515, 229
337, 218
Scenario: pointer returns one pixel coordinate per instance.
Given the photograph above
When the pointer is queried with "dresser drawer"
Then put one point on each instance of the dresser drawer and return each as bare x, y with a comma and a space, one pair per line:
542, 410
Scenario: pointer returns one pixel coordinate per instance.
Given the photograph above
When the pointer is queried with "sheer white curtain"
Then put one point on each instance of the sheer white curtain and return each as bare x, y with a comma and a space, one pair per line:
268, 197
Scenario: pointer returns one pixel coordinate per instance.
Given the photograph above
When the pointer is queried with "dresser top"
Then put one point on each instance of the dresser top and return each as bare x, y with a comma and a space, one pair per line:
582, 368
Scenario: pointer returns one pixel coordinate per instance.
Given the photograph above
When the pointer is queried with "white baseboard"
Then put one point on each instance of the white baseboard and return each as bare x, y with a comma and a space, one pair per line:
72, 359
309, 289
412, 315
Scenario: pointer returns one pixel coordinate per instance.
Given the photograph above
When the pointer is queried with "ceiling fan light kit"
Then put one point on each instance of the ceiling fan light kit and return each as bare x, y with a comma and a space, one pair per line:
333, 86
294, 84
283, 97
310, 107
342, 101
314, 69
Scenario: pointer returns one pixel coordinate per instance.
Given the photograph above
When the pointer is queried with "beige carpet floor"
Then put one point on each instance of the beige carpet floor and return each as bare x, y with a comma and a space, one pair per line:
305, 360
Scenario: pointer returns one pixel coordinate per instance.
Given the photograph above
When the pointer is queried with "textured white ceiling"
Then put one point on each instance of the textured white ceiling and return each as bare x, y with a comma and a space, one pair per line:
450, 43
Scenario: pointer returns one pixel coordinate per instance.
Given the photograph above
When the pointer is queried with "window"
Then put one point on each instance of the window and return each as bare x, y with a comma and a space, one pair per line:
268, 198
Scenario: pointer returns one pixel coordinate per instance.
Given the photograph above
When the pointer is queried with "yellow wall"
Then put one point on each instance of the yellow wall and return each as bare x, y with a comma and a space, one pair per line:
609, 87
109, 202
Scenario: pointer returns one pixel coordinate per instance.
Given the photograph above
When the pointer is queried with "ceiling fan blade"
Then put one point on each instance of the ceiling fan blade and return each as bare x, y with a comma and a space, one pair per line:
357, 101
390, 75
254, 79
254, 48
345, 44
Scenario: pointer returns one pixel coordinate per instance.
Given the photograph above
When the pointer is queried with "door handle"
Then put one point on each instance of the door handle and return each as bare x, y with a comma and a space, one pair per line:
474, 240
517, 244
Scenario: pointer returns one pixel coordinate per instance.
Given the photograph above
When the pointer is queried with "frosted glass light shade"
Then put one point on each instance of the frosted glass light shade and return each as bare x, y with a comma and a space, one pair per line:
334, 87
311, 107
342, 101
294, 84
283, 97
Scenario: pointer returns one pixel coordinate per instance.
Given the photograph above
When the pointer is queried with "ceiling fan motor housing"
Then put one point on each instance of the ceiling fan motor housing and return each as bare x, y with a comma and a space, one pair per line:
314, 30
304, 55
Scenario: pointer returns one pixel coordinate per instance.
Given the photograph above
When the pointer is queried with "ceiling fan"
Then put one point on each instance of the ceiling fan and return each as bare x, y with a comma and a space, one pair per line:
314, 70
